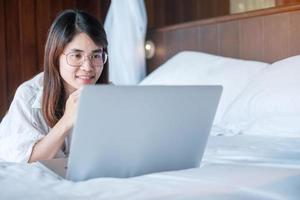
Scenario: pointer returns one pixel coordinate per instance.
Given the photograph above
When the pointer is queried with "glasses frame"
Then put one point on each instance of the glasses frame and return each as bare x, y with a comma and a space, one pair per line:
104, 53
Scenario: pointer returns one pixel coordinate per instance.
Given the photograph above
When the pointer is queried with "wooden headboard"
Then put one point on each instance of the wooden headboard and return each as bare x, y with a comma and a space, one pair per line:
266, 35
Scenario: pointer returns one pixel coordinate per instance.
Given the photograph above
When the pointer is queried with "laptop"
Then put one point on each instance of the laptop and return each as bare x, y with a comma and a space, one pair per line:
127, 131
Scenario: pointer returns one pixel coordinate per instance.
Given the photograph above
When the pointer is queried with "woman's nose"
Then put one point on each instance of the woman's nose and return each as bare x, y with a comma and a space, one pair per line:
86, 65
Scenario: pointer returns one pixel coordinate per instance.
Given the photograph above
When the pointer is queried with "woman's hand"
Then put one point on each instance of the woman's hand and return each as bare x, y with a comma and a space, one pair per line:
71, 108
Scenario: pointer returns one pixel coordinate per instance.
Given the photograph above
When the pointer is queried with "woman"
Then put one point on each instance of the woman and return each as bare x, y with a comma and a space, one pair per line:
42, 114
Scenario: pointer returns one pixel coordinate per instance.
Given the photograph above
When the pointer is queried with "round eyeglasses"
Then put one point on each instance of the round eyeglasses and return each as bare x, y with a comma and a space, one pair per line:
76, 59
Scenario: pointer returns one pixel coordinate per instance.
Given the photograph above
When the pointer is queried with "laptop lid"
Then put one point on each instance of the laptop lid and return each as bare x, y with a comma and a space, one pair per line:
125, 131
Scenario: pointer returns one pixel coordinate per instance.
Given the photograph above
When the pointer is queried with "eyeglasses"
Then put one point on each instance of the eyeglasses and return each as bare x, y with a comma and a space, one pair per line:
76, 59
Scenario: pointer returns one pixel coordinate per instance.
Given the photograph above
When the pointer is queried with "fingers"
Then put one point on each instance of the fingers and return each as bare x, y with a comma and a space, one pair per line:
76, 93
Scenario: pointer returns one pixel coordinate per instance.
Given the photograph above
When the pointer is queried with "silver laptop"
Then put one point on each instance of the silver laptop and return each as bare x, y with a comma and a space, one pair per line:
126, 131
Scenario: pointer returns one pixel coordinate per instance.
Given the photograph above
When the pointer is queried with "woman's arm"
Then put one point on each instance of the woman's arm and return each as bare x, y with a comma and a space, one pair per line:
48, 147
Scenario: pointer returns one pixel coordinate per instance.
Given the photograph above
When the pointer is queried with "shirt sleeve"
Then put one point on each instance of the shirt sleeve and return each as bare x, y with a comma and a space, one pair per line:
18, 134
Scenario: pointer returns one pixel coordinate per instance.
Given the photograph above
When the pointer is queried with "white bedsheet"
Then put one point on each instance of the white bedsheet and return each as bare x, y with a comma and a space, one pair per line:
238, 167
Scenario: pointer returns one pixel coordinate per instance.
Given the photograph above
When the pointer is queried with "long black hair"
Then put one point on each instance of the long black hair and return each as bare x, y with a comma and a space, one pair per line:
65, 27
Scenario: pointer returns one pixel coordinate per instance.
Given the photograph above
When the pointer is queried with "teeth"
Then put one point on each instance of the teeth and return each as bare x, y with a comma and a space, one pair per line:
85, 77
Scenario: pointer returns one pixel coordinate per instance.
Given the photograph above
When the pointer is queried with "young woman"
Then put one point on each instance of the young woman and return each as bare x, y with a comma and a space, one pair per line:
40, 119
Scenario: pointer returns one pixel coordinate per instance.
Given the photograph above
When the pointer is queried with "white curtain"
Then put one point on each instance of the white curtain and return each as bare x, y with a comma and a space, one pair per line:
125, 25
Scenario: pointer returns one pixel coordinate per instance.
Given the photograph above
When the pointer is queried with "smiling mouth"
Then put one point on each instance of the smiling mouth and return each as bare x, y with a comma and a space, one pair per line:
85, 77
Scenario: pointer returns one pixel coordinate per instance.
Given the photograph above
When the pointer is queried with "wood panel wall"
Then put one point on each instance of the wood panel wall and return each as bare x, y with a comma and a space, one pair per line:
3, 78
163, 13
286, 2
168, 12
23, 31
267, 36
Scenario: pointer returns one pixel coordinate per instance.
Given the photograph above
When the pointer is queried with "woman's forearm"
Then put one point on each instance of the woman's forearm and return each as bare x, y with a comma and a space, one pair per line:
48, 147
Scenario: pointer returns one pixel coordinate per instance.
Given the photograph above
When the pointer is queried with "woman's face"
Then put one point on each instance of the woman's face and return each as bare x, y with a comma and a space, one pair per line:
78, 65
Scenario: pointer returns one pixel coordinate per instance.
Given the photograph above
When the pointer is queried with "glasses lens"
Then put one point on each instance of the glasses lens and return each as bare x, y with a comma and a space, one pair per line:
99, 58
75, 59
96, 59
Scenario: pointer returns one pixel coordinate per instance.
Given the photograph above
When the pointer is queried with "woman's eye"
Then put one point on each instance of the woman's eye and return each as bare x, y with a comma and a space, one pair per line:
96, 56
76, 56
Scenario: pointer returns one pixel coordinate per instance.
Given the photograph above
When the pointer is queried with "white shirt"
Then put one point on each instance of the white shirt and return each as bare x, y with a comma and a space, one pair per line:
24, 124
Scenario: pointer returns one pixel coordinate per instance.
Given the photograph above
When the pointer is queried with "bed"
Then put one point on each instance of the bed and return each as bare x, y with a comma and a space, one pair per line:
253, 151
231, 169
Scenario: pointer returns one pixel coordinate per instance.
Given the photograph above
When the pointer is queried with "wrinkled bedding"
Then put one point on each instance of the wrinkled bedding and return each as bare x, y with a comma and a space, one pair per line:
237, 167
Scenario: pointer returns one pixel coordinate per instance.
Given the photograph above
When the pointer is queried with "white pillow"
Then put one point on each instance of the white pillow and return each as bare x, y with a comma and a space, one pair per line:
270, 105
195, 68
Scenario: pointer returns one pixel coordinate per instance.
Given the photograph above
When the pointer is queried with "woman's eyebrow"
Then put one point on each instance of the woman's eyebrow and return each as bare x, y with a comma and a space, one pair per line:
97, 50
93, 51
76, 50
